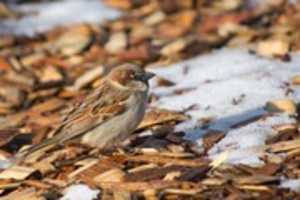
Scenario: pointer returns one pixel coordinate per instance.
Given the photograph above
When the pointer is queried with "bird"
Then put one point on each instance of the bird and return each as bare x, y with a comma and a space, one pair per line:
107, 115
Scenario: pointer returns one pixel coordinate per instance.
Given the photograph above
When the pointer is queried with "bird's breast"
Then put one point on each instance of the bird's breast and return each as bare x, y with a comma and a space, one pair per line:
119, 127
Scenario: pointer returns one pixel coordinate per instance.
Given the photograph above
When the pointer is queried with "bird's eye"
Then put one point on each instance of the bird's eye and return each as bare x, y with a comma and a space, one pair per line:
132, 76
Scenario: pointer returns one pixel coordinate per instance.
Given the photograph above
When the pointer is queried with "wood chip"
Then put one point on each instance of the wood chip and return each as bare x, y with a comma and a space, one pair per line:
26, 194
255, 180
116, 43
17, 173
141, 186
88, 77
282, 105
295, 80
113, 175
165, 160
285, 146
159, 116
272, 48
174, 47
74, 41
51, 74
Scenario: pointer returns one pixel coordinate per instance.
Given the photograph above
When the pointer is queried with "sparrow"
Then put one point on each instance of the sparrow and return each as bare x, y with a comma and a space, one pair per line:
106, 116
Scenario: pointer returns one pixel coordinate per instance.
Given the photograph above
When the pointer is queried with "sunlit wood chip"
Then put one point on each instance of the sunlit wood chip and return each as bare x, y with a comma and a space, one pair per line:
51, 73
220, 159
295, 80
285, 145
6, 40
182, 191
43, 167
282, 105
155, 18
255, 180
227, 5
17, 173
122, 195
87, 165
172, 176
12, 95
6, 12
160, 116
117, 42
254, 187
142, 168
25, 194
32, 58
272, 47
213, 181
174, 47
74, 40
113, 175
88, 77
120, 4
284, 128
150, 194
9, 185
48, 106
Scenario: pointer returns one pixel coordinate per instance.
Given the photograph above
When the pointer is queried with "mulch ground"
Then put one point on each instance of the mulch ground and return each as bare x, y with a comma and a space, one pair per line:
42, 75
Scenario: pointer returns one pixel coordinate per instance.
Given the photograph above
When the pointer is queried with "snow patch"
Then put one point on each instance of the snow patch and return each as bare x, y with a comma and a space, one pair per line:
246, 144
47, 15
292, 184
80, 192
229, 87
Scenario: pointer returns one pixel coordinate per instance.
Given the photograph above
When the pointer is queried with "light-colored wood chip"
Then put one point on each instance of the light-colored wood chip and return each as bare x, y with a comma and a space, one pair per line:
282, 105
295, 80
117, 42
88, 77
285, 146
17, 172
272, 47
160, 116
74, 40
113, 175
182, 191
122, 195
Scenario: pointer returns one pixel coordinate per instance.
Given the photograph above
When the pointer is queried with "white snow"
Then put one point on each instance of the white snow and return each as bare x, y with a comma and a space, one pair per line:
246, 144
44, 16
292, 184
216, 80
80, 192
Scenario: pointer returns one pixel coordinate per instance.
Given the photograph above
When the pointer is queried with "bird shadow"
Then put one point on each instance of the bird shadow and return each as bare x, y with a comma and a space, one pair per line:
224, 124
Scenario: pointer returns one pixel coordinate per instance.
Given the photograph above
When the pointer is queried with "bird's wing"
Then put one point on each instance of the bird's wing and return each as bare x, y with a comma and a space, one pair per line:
101, 105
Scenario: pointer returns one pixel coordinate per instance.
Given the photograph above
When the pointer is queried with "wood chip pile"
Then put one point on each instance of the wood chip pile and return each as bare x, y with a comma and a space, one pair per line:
41, 76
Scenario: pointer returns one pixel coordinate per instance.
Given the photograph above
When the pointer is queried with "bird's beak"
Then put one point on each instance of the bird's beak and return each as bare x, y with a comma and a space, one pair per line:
148, 75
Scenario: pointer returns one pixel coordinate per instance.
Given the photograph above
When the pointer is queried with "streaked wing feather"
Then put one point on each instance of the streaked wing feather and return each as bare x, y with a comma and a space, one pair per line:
99, 106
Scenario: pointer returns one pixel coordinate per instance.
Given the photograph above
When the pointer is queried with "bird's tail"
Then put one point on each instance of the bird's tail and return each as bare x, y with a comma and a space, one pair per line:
30, 152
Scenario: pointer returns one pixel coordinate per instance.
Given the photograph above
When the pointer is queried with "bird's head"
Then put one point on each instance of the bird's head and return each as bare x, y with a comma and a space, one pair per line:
130, 76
